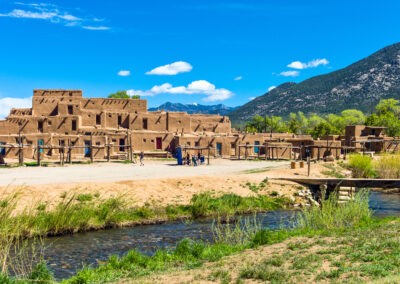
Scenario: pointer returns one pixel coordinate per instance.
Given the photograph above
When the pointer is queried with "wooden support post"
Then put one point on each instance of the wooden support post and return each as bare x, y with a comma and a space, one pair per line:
131, 148
239, 153
69, 151
208, 157
21, 150
91, 147
318, 153
308, 165
38, 156
245, 153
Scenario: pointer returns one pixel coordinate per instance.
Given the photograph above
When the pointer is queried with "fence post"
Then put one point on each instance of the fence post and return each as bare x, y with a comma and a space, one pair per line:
208, 157
21, 149
38, 156
91, 147
308, 165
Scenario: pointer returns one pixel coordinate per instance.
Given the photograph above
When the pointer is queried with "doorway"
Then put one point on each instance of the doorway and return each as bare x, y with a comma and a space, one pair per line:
159, 143
87, 148
219, 149
256, 148
121, 145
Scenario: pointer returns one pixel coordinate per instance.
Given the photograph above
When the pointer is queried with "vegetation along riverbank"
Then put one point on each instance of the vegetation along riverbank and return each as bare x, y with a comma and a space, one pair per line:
331, 243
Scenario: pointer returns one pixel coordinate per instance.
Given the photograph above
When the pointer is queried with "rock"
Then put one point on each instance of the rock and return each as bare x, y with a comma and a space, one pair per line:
329, 158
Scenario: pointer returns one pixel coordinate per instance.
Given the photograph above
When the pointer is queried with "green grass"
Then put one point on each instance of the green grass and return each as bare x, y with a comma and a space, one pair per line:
361, 166
387, 166
332, 171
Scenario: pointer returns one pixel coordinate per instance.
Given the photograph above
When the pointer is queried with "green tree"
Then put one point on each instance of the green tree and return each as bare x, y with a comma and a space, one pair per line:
323, 128
293, 124
119, 95
389, 105
135, 97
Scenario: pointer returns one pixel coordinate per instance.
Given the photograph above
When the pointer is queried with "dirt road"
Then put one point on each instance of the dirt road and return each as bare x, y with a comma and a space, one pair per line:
111, 172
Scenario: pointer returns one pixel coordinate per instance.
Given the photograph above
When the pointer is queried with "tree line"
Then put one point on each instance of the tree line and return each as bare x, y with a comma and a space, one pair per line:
122, 95
387, 113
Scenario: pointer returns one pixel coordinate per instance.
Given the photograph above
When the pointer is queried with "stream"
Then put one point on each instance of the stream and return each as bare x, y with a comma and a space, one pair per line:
67, 254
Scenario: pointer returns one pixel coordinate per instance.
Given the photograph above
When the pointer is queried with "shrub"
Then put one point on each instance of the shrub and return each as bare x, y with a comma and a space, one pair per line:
361, 166
331, 215
84, 197
41, 273
388, 166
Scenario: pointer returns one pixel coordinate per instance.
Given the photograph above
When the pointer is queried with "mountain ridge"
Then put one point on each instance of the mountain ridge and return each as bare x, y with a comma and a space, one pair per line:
359, 85
195, 108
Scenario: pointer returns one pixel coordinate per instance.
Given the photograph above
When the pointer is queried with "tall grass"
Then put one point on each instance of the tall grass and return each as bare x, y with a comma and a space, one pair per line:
387, 166
331, 215
361, 166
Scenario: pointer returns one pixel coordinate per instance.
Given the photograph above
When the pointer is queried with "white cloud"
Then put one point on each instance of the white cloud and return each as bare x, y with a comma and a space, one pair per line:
238, 78
101, 28
202, 87
251, 98
289, 73
271, 88
124, 73
6, 104
310, 64
51, 13
171, 69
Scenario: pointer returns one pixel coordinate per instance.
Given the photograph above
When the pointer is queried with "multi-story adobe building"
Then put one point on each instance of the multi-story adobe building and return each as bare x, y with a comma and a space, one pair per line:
65, 117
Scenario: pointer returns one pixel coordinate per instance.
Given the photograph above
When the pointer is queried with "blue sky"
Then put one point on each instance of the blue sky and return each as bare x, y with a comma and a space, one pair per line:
183, 51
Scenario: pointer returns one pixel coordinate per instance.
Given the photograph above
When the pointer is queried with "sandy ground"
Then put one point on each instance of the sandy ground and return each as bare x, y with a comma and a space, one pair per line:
157, 182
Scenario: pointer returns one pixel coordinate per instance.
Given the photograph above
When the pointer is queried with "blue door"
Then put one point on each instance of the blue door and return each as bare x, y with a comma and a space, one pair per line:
2, 150
256, 149
219, 149
40, 142
87, 148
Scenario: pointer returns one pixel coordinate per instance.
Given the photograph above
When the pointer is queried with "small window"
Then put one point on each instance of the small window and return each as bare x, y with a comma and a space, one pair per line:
144, 123
74, 125
98, 119
152, 140
119, 120
188, 143
114, 140
40, 126
97, 143
49, 122
144, 140
110, 115
70, 110
233, 145
196, 144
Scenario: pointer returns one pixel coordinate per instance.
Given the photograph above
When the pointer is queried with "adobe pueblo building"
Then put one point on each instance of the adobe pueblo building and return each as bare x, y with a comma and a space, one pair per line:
64, 123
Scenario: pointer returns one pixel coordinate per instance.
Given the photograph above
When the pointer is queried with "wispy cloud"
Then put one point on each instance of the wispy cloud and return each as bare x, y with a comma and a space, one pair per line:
96, 28
271, 88
290, 73
171, 69
238, 78
52, 14
6, 104
309, 64
251, 98
124, 73
201, 87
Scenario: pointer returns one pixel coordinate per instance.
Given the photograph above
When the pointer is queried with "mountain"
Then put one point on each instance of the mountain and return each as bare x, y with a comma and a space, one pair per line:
195, 108
360, 85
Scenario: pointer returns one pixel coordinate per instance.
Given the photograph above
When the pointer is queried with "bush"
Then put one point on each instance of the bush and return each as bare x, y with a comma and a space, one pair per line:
331, 215
361, 166
41, 273
388, 166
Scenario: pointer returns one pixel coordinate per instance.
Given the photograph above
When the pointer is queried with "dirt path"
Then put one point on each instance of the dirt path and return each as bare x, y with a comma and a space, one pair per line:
111, 172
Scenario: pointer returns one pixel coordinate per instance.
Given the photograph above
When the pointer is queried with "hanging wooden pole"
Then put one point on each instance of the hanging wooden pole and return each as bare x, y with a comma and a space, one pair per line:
308, 165
108, 149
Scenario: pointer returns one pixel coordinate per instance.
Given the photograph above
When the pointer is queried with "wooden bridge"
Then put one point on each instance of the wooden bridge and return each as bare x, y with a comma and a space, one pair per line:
346, 182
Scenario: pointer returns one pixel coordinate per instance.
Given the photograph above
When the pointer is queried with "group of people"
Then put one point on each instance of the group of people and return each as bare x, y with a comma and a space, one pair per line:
141, 158
194, 159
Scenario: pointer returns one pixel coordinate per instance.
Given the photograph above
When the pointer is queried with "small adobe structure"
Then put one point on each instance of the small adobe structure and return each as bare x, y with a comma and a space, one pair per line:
62, 121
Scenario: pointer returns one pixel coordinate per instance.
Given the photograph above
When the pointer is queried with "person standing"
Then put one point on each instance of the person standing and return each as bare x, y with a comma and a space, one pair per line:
141, 158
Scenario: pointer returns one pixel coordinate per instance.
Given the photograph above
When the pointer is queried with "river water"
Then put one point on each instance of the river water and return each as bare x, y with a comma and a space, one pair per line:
67, 254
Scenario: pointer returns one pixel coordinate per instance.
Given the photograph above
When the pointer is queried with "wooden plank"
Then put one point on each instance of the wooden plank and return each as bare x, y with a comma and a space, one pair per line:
350, 182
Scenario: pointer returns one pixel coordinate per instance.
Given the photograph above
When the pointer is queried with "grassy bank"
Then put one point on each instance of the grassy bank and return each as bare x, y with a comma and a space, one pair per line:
84, 212
332, 243
384, 166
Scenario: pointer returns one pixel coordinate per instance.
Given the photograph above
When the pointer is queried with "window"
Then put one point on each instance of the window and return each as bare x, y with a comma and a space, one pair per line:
196, 144
233, 146
119, 120
74, 125
70, 110
188, 143
144, 140
98, 119
40, 126
49, 122
144, 123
